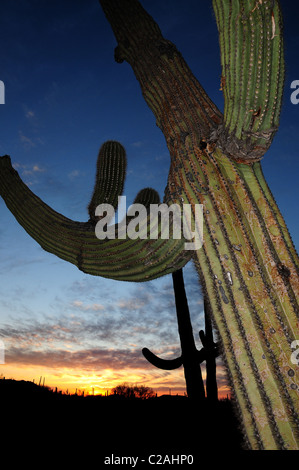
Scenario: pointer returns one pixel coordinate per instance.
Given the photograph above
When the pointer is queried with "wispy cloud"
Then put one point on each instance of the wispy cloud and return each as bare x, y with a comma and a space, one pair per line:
30, 172
83, 360
29, 114
87, 308
26, 141
137, 144
74, 174
28, 169
37, 169
92, 327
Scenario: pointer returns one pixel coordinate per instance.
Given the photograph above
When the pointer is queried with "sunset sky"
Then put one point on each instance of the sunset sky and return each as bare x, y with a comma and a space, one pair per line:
64, 96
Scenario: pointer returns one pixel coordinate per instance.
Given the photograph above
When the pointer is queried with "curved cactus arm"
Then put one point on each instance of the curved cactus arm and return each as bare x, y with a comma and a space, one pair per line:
165, 364
251, 45
76, 242
171, 364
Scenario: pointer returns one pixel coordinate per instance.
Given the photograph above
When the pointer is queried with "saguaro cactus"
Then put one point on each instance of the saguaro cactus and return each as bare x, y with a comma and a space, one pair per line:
248, 266
191, 357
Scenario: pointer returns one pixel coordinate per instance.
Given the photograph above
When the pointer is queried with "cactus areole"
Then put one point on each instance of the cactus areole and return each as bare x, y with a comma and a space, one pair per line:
247, 266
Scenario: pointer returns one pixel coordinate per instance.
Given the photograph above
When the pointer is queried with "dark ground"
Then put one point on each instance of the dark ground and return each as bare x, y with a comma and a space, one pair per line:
34, 417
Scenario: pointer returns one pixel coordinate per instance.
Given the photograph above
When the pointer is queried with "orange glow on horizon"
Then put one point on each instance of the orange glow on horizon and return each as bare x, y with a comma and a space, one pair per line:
94, 383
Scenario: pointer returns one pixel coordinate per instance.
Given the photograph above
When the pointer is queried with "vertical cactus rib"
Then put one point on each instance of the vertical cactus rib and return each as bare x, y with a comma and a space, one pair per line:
230, 350
233, 271
279, 313
276, 216
251, 46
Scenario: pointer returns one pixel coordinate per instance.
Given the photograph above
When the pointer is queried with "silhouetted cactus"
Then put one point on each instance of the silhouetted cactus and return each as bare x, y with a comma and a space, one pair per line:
211, 352
190, 358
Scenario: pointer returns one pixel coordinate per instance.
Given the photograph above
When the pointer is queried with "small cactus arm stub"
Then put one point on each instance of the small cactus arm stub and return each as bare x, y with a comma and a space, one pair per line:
247, 265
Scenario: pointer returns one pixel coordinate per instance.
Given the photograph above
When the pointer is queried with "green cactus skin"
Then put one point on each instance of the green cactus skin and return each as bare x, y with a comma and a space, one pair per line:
251, 45
254, 305
247, 266
110, 176
146, 197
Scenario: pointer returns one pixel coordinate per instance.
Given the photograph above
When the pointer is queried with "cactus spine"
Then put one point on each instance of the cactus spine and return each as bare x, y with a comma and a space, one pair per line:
248, 266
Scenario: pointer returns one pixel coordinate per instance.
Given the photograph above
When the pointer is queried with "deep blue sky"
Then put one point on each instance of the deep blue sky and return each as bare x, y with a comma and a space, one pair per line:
65, 96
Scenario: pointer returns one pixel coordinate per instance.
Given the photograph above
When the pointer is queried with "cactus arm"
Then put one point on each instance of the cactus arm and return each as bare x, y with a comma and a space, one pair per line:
110, 177
166, 81
172, 364
146, 197
76, 242
164, 364
252, 75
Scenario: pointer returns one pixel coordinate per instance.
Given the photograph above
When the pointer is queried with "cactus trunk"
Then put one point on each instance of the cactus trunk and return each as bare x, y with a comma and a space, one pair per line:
247, 265
250, 279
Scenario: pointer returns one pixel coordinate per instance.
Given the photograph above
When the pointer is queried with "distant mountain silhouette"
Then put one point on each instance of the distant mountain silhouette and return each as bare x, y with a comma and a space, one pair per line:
109, 424
22, 388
